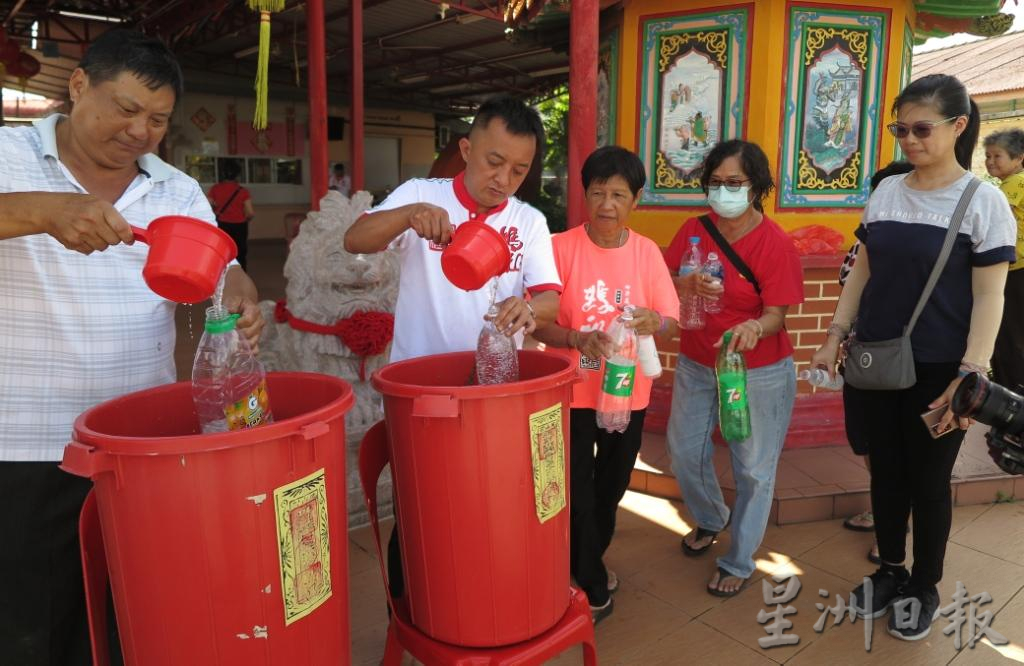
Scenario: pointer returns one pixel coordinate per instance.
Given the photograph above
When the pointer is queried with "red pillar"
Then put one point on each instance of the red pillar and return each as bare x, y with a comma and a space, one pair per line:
316, 58
358, 114
584, 19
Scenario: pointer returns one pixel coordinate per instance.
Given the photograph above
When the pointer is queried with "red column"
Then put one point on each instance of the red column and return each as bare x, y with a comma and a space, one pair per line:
358, 115
584, 20
316, 58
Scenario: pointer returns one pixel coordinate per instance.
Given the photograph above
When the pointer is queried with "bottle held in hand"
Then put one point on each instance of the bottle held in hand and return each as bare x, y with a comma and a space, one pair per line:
614, 402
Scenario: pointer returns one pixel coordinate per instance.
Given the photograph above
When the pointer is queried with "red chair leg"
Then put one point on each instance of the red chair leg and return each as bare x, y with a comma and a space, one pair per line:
392, 648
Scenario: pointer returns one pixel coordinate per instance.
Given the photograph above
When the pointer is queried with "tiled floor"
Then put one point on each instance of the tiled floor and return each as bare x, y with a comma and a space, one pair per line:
664, 616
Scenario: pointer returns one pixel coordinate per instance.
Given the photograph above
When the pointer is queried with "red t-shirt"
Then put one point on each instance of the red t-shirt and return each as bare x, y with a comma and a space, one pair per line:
771, 255
221, 193
596, 282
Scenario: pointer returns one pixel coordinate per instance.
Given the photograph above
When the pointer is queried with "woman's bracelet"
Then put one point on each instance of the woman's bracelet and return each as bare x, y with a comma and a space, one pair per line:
967, 368
836, 330
530, 308
760, 328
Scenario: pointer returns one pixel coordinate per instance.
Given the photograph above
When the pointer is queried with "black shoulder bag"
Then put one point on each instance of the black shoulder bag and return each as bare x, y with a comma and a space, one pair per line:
730, 253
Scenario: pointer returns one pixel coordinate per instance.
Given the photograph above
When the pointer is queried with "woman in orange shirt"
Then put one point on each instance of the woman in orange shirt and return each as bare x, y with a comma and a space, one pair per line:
605, 266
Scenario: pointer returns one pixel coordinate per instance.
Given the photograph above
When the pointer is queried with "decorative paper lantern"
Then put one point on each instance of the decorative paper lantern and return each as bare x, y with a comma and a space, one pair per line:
9, 52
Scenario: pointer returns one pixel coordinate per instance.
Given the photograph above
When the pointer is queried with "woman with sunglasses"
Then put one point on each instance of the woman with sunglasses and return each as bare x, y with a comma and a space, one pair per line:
736, 178
902, 231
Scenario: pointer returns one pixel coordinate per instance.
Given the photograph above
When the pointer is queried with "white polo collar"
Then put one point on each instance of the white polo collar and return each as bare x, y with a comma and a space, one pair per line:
149, 164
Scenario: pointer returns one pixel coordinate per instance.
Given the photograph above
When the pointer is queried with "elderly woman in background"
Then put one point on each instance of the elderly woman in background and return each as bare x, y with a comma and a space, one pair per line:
755, 295
605, 266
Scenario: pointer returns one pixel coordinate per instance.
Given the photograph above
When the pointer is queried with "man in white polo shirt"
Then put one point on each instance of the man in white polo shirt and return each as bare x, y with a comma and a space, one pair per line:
432, 315
78, 325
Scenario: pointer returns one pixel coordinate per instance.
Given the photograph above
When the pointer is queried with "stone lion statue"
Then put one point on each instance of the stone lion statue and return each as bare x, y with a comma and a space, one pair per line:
327, 284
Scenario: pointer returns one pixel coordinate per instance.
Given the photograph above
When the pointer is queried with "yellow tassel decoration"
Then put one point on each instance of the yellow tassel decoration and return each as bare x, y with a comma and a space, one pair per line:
264, 7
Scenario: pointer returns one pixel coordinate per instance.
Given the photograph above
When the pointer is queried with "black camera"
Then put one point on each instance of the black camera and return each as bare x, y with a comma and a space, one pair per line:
1000, 408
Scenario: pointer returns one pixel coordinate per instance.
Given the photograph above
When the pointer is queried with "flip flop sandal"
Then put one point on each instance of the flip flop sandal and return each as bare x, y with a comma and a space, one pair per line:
874, 557
702, 534
850, 525
722, 573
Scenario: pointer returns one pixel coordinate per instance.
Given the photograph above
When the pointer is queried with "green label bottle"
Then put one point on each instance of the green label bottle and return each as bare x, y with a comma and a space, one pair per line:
733, 407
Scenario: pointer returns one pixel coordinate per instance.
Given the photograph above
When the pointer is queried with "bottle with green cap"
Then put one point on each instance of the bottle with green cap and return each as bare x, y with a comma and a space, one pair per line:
229, 384
733, 408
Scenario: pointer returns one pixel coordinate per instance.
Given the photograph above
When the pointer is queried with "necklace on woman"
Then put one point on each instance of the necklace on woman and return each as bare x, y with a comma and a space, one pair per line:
618, 243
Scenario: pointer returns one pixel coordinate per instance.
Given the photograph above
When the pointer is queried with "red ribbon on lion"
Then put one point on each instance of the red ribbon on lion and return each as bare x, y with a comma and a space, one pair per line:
365, 333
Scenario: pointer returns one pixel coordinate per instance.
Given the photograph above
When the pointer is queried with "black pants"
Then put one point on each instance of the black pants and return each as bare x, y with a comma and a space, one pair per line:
596, 485
239, 232
1008, 355
42, 599
910, 471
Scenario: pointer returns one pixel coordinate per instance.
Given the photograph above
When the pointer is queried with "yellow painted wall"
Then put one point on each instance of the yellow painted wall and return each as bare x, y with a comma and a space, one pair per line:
764, 104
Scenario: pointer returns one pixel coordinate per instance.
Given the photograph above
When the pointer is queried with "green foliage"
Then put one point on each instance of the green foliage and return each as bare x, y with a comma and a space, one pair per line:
554, 112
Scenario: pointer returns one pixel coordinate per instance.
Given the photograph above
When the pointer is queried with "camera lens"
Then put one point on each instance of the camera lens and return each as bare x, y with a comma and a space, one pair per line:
990, 403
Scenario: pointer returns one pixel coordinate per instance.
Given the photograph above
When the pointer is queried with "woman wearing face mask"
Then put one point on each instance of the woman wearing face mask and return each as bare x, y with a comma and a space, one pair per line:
736, 178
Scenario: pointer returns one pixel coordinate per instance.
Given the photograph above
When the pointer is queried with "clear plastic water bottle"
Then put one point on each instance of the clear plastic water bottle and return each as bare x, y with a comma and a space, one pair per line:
229, 384
615, 401
691, 308
714, 269
647, 351
733, 408
496, 359
819, 378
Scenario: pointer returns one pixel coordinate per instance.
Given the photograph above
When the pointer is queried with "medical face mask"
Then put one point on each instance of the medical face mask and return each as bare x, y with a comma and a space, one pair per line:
729, 204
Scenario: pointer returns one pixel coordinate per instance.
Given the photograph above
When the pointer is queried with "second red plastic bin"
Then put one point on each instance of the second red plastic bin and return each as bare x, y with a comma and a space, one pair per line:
481, 489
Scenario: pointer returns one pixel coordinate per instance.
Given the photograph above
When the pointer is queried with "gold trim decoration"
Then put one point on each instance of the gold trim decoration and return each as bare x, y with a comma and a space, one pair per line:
667, 177
857, 40
808, 179
715, 41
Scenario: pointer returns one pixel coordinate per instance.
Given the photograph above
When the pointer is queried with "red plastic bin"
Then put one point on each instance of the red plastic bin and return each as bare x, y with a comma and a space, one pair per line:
201, 572
481, 568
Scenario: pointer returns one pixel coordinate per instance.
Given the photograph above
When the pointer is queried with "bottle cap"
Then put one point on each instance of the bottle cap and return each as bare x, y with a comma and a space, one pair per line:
712, 256
694, 240
219, 321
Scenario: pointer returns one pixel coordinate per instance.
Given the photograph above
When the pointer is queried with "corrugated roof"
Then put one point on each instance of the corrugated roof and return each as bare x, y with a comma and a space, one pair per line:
986, 66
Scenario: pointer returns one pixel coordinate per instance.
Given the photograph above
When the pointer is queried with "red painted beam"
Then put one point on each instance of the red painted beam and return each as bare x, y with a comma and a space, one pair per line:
358, 111
317, 84
584, 20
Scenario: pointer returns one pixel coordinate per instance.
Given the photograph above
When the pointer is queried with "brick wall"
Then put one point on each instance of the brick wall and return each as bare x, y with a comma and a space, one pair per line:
806, 324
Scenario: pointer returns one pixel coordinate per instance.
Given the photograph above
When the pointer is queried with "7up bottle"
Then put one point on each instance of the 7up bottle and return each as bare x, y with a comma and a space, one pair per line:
733, 410
615, 400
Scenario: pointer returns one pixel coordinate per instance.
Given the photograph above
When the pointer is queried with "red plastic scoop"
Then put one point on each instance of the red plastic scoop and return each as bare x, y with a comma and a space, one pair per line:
186, 257
476, 253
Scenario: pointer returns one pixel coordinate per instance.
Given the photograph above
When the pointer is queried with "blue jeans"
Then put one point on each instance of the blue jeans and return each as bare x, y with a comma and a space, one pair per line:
770, 391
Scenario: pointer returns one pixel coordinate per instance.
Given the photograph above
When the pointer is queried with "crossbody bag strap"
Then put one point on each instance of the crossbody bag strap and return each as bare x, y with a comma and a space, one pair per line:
723, 245
228, 202
947, 248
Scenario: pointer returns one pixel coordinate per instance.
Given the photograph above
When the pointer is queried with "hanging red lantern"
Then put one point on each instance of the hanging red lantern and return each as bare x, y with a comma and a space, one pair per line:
28, 65
9, 52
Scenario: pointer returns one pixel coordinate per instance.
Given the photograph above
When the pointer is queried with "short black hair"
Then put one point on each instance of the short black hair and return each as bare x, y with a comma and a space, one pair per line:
753, 161
1011, 140
230, 170
610, 161
949, 98
891, 169
121, 50
339, 167
520, 118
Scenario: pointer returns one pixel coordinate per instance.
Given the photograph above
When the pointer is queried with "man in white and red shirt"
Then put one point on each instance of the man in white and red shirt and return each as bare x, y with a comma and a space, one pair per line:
434, 316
